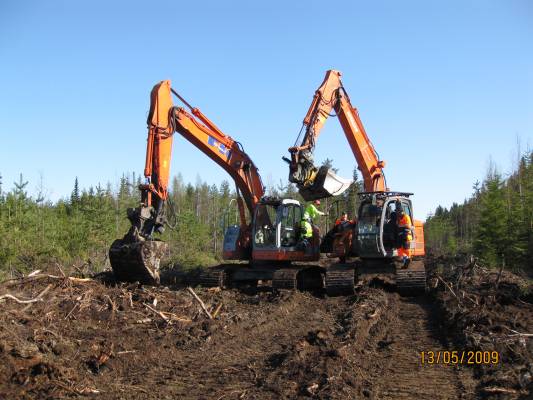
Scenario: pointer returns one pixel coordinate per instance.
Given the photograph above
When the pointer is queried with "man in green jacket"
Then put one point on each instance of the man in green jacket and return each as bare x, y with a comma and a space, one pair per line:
311, 211
306, 234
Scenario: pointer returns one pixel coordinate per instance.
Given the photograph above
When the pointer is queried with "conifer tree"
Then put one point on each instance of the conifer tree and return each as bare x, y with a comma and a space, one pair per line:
491, 237
75, 196
19, 191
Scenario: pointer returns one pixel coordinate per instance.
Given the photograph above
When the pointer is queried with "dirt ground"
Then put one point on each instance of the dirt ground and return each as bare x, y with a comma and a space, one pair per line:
96, 339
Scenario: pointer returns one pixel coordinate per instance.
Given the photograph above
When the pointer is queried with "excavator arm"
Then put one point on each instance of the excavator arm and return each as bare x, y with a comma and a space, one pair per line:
316, 182
137, 255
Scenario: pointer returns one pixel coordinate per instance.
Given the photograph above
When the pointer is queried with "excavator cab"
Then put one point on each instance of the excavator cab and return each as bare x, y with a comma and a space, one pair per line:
276, 232
378, 240
376, 228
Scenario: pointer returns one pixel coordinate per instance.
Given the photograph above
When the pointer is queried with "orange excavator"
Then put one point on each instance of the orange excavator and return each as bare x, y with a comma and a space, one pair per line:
268, 240
374, 236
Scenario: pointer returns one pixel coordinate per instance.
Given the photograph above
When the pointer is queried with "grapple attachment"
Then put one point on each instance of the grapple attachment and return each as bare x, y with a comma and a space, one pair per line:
325, 184
137, 261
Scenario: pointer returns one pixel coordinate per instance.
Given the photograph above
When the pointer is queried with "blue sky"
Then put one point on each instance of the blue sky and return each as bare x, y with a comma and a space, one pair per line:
440, 86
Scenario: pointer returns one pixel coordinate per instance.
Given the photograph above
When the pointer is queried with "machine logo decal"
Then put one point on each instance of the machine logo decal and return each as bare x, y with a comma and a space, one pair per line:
221, 148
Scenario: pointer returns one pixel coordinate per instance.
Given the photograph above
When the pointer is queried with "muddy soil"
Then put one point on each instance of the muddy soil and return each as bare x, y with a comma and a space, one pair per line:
95, 339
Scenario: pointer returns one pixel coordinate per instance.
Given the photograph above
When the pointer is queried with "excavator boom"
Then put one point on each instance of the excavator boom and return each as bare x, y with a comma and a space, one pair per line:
164, 119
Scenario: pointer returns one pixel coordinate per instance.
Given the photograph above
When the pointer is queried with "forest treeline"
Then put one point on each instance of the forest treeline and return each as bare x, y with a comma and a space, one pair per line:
80, 229
495, 223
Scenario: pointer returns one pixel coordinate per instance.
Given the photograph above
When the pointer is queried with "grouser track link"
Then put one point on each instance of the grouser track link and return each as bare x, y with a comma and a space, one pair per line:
340, 280
411, 281
285, 279
213, 277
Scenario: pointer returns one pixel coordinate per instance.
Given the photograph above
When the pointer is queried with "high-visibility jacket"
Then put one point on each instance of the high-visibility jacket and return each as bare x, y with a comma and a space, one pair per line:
404, 224
312, 212
307, 229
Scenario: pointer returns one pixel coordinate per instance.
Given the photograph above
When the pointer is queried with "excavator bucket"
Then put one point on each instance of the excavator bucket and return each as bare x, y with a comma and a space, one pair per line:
137, 261
326, 184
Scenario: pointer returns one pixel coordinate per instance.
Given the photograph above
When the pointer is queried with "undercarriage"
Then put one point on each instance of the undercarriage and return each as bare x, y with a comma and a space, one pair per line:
339, 279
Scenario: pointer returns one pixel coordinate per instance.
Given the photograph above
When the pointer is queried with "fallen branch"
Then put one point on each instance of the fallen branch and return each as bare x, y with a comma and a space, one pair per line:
466, 296
165, 318
34, 300
499, 390
87, 390
199, 300
72, 310
175, 317
516, 333
217, 310
35, 277
180, 319
449, 287
126, 352
39, 296
73, 279
10, 296
60, 270
111, 303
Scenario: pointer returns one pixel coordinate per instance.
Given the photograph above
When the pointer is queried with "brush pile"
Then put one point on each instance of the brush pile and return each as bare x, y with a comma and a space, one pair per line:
488, 311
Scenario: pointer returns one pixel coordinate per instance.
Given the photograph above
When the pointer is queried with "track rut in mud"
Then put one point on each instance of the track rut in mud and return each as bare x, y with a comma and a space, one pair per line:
411, 328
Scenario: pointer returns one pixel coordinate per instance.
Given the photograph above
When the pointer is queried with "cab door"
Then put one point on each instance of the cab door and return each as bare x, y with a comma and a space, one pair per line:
265, 227
291, 215
369, 238
408, 209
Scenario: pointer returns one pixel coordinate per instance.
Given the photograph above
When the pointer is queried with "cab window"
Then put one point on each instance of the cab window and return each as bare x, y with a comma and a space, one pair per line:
407, 209
369, 218
291, 215
265, 226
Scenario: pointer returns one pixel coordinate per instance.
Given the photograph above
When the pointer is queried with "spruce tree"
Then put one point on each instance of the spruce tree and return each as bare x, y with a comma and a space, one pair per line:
491, 236
19, 191
75, 195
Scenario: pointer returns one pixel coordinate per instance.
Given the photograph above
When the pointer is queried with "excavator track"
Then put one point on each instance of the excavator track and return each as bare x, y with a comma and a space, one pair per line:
213, 277
411, 281
285, 278
137, 261
340, 280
